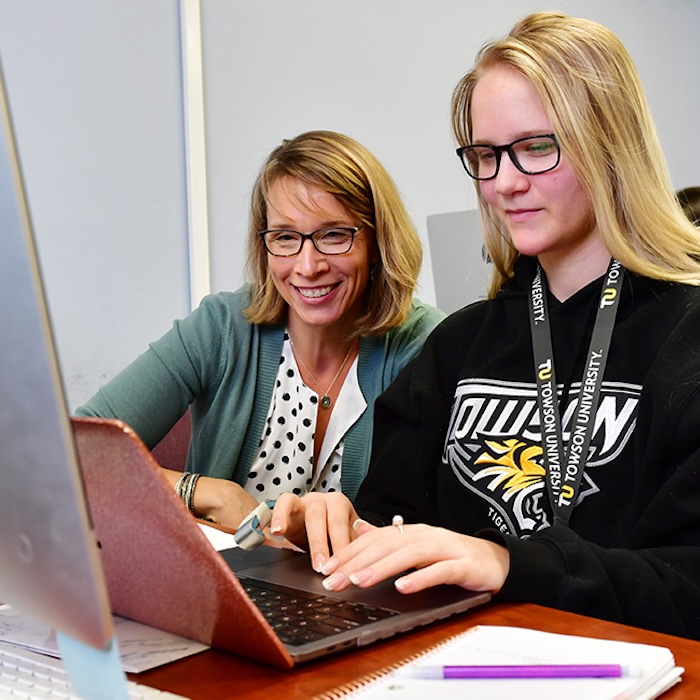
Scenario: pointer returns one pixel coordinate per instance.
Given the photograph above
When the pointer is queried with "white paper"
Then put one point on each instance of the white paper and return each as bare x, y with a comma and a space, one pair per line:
140, 647
218, 539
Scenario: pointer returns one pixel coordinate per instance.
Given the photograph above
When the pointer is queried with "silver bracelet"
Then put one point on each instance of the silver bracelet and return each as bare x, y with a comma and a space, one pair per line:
188, 496
184, 488
180, 484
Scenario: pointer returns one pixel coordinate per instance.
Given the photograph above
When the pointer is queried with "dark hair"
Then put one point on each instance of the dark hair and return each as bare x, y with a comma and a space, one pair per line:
689, 199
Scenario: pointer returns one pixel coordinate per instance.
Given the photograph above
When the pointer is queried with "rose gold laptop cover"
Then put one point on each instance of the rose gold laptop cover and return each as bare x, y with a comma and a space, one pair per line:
161, 569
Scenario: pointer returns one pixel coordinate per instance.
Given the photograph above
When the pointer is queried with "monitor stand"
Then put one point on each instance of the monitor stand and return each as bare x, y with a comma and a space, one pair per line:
94, 674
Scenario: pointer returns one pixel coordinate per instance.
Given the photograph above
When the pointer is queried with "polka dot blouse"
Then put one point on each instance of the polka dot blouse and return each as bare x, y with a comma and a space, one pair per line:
284, 460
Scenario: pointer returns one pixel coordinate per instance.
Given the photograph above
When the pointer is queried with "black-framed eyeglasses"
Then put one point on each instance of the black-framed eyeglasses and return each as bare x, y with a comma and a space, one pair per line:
332, 240
531, 155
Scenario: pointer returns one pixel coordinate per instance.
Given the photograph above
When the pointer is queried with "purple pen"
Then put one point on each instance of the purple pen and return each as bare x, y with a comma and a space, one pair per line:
520, 671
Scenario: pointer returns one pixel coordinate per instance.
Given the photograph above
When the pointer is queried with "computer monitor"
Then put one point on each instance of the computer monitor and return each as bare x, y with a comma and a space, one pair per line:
50, 566
456, 252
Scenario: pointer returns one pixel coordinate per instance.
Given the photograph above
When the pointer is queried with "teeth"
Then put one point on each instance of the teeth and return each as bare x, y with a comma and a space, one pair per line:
314, 293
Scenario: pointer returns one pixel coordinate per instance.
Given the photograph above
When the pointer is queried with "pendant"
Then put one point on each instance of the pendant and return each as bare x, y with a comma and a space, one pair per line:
326, 401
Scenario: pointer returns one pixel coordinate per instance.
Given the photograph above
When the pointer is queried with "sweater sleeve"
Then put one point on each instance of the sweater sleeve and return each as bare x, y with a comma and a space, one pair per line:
153, 391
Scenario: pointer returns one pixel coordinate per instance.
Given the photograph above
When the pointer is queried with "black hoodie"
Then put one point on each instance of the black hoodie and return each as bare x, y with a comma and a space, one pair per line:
457, 444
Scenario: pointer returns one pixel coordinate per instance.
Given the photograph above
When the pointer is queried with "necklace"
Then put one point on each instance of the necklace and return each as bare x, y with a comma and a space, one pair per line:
325, 401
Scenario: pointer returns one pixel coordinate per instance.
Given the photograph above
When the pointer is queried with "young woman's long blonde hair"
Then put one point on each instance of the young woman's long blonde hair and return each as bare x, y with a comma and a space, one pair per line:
337, 164
594, 98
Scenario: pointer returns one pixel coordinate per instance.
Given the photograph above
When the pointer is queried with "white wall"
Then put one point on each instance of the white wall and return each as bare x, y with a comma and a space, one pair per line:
383, 71
96, 94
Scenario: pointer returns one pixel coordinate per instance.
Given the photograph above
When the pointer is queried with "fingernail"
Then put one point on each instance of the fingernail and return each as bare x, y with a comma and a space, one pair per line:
275, 528
328, 567
319, 563
403, 585
333, 582
357, 523
360, 577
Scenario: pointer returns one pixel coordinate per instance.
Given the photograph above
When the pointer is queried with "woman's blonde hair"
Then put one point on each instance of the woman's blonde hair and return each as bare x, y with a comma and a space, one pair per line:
344, 168
594, 98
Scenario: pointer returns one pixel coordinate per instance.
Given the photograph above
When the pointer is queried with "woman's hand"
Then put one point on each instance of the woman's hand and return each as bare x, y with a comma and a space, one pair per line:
317, 522
219, 501
222, 501
438, 555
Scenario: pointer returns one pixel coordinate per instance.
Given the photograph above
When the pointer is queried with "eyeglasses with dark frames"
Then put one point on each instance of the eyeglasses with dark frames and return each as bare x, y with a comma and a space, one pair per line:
531, 155
332, 240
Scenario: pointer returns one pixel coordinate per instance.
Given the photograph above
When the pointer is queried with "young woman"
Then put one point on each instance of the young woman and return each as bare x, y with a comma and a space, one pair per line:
544, 445
281, 376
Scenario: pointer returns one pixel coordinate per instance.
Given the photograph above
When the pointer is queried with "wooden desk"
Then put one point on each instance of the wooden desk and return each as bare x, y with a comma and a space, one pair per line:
215, 675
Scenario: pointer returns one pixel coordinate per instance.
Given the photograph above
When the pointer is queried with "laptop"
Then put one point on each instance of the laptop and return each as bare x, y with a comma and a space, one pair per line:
50, 566
162, 570
79, 535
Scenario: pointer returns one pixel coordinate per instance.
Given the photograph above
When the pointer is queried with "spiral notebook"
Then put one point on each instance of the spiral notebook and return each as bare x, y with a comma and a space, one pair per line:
655, 667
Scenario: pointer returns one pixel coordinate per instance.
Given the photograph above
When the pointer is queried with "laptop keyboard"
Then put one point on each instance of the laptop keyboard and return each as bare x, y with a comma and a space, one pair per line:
299, 617
25, 674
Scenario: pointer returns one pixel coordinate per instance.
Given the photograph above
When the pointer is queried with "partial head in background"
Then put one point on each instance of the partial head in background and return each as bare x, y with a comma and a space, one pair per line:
332, 163
592, 96
689, 199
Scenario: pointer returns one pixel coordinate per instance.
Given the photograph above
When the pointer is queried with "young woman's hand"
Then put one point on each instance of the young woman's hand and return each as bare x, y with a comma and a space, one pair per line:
437, 555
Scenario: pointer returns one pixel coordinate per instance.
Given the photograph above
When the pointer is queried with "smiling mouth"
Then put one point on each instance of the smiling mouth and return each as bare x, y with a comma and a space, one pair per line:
315, 293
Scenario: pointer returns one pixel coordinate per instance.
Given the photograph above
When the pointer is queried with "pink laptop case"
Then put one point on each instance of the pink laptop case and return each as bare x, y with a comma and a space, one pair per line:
160, 568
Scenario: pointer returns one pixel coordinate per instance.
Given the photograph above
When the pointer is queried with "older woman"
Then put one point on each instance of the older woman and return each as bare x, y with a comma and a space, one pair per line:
281, 376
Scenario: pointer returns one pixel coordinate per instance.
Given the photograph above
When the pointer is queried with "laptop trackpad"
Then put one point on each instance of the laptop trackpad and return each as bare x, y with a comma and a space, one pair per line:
293, 569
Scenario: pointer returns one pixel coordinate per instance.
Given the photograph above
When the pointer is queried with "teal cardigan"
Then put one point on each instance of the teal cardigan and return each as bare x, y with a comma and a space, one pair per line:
224, 369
